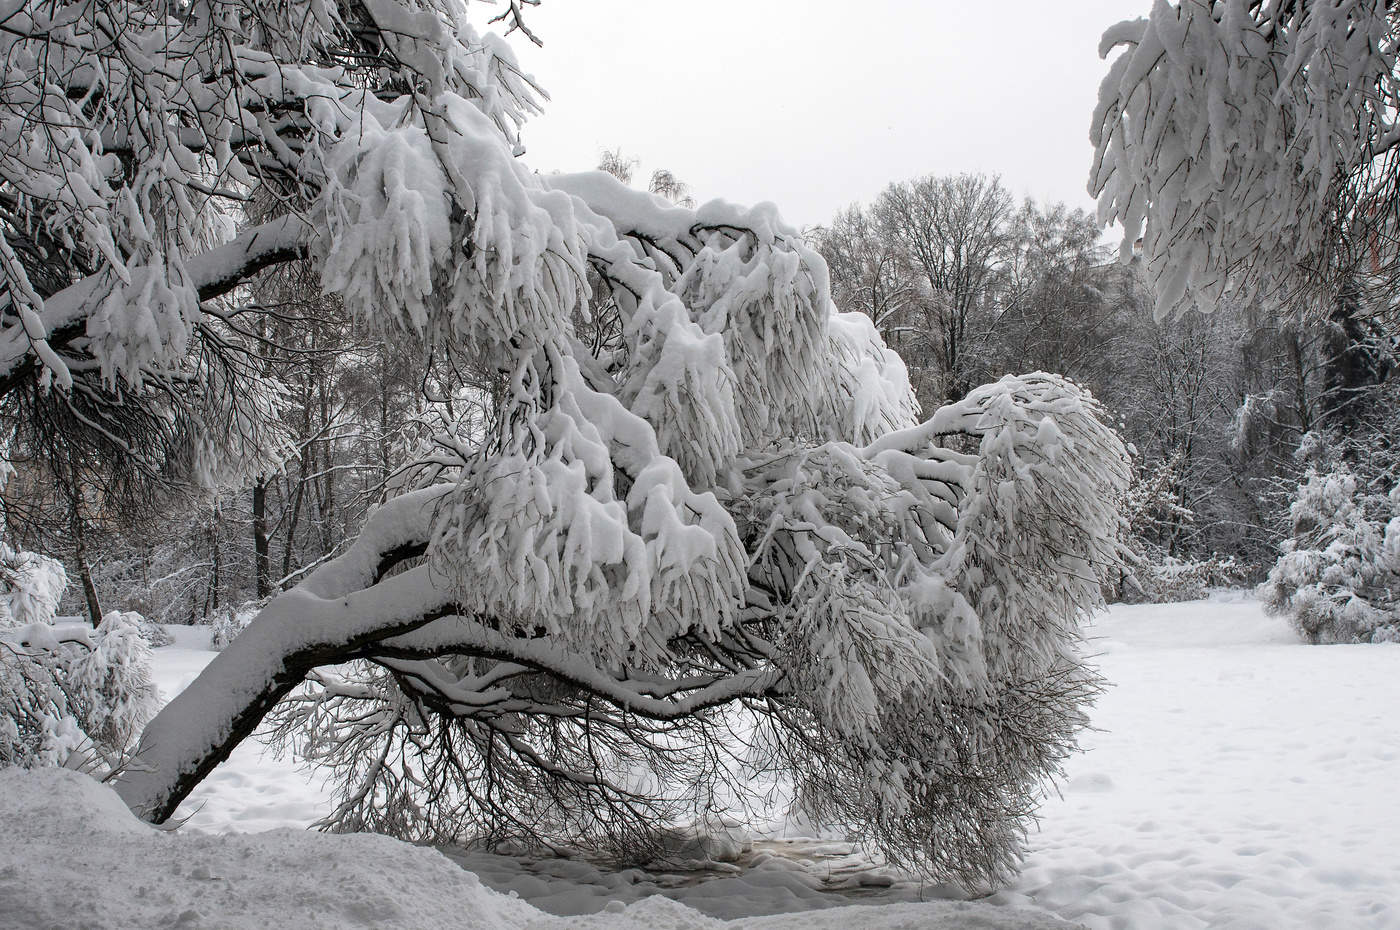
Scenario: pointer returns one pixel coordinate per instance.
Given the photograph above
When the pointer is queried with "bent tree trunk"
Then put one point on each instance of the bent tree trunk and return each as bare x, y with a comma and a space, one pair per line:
347, 610
326, 619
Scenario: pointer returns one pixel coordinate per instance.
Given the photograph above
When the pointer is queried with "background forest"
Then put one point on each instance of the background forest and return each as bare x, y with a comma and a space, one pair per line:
1224, 410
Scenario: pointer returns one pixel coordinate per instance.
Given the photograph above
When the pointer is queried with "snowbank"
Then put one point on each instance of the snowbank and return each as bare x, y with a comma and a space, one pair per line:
73, 856
1235, 778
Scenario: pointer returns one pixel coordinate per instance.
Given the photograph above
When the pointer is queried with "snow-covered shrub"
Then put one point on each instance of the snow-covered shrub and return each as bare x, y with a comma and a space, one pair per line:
38, 722
31, 586
1338, 577
112, 682
228, 621
1167, 579
73, 695
153, 633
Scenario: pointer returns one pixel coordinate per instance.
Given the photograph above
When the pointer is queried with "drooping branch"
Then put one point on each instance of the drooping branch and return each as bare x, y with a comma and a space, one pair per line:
1242, 147
211, 274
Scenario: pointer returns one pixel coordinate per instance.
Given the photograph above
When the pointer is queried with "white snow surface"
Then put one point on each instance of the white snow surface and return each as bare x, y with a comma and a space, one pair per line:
1238, 779
1235, 779
73, 856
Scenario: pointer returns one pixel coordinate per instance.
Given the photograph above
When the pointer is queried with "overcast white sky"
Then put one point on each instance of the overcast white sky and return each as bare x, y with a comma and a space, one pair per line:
816, 104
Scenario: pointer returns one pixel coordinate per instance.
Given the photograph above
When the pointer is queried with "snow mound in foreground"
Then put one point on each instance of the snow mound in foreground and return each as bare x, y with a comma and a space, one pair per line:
73, 856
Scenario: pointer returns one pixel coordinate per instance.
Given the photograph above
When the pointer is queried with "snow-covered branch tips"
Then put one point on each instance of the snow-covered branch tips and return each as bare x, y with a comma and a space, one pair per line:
700, 501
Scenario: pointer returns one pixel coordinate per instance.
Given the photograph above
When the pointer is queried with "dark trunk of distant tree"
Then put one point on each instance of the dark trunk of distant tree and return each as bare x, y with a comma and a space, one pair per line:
262, 568
1356, 360
1298, 361
80, 555
216, 560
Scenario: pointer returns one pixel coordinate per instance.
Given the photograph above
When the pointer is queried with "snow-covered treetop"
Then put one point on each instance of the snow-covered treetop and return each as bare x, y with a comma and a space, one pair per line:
1236, 139
388, 132
133, 138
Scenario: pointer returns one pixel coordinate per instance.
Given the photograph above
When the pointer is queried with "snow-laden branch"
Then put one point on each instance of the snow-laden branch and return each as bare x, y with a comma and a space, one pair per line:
1240, 143
458, 635
65, 316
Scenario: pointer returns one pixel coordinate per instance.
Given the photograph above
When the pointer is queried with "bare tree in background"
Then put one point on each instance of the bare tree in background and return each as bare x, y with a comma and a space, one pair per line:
951, 233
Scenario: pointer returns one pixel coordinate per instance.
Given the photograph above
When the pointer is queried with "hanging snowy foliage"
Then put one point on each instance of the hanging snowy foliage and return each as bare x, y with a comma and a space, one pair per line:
111, 683
1237, 141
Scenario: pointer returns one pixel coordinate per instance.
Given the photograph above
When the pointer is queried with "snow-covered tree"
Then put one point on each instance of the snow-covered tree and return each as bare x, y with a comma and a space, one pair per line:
1338, 578
1251, 145
724, 500
1248, 151
951, 235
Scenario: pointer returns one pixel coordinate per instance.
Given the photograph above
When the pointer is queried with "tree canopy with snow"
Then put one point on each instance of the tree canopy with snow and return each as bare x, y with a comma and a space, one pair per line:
704, 503
1250, 145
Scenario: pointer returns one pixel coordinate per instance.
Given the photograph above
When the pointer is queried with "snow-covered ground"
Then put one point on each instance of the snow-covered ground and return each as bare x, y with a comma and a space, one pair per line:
1236, 779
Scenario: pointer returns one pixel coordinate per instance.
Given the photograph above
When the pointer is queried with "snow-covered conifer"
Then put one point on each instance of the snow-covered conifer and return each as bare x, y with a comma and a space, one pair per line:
1337, 578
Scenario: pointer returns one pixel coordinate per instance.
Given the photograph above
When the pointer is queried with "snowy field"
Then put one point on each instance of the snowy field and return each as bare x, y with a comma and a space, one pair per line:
1235, 779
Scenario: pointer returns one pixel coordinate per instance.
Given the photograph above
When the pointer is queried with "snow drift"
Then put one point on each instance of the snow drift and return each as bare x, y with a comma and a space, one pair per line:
73, 855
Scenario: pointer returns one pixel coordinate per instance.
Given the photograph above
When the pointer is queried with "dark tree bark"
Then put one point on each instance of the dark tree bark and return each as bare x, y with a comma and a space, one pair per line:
80, 555
262, 568
215, 576
1355, 360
